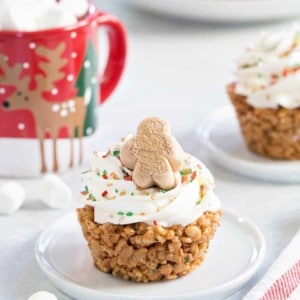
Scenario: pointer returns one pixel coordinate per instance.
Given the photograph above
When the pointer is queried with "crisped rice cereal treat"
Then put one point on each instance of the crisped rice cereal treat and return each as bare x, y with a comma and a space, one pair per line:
150, 210
266, 95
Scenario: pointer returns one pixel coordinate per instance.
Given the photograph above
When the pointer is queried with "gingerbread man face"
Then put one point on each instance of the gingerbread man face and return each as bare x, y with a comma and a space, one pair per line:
153, 155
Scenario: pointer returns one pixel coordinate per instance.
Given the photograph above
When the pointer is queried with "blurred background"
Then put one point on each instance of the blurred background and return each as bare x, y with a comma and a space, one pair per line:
181, 56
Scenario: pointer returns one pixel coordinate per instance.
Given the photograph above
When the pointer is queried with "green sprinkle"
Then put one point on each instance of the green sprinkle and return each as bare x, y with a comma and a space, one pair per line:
186, 259
104, 172
129, 214
86, 189
116, 190
84, 172
120, 213
162, 191
132, 194
92, 197
199, 201
186, 171
153, 271
98, 174
116, 153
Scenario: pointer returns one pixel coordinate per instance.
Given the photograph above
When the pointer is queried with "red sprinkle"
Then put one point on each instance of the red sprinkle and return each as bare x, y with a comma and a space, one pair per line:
155, 223
104, 194
127, 177
104, 177
194, 174
285, 72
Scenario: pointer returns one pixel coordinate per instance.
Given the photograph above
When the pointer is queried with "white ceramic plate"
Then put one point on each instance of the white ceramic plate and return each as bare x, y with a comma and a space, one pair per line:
223, 139
223, 10
234, 256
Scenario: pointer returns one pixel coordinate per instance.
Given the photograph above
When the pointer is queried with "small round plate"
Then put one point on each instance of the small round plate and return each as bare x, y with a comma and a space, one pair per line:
221, 135
222, 10
234, 256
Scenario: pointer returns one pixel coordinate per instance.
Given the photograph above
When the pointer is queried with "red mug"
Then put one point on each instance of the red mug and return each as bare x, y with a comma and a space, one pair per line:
49, 90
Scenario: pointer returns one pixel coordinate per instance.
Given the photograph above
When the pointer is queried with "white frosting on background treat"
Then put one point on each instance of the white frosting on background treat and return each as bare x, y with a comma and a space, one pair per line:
32, 15
269, 72
116, 199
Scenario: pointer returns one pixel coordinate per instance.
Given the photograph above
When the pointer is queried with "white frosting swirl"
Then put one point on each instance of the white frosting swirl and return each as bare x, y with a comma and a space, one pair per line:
268, 73
116, 199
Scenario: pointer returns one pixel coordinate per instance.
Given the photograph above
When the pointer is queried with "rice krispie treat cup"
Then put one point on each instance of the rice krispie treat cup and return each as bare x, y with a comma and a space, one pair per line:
266, 95
150, 210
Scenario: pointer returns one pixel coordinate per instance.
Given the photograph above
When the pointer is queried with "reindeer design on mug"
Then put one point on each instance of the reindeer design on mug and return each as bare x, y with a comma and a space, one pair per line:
49, 116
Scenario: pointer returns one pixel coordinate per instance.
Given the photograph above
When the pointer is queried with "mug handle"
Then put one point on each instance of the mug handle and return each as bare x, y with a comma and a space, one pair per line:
117, 54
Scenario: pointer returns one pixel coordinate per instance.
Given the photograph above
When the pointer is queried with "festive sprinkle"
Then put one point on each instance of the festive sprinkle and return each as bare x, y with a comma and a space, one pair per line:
113, 175
132, 194
194, 174
129, 214
104, 194
162, 191
84, 172
202, 191
116, 190
104, 174
198, 202
186, 259
127, 177
120, 213
155, 223
91, 197
185, 171
98, 174
116, 153
86, 191
285, 72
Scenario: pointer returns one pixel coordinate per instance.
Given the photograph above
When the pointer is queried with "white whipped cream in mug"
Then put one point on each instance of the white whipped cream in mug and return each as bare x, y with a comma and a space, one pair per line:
33, 15
268, 73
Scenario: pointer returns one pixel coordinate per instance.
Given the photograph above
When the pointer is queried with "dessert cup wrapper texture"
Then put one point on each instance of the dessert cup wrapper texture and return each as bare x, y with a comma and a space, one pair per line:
274, 133
144, 253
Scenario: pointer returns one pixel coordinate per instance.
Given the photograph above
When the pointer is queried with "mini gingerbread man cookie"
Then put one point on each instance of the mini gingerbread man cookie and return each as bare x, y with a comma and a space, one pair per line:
153, 155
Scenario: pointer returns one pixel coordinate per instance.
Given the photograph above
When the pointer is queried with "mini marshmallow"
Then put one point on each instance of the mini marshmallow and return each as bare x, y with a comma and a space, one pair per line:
54, 16
15, 17
42, 295
54, 192
12, 196
78, 8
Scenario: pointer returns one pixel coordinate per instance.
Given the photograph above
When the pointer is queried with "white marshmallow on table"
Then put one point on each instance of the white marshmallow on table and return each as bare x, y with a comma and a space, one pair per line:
50, 189
54, 192
42, 295
78, 8
12, 196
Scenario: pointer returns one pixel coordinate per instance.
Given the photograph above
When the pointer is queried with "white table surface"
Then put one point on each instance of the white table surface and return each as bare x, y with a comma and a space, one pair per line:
177, 70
